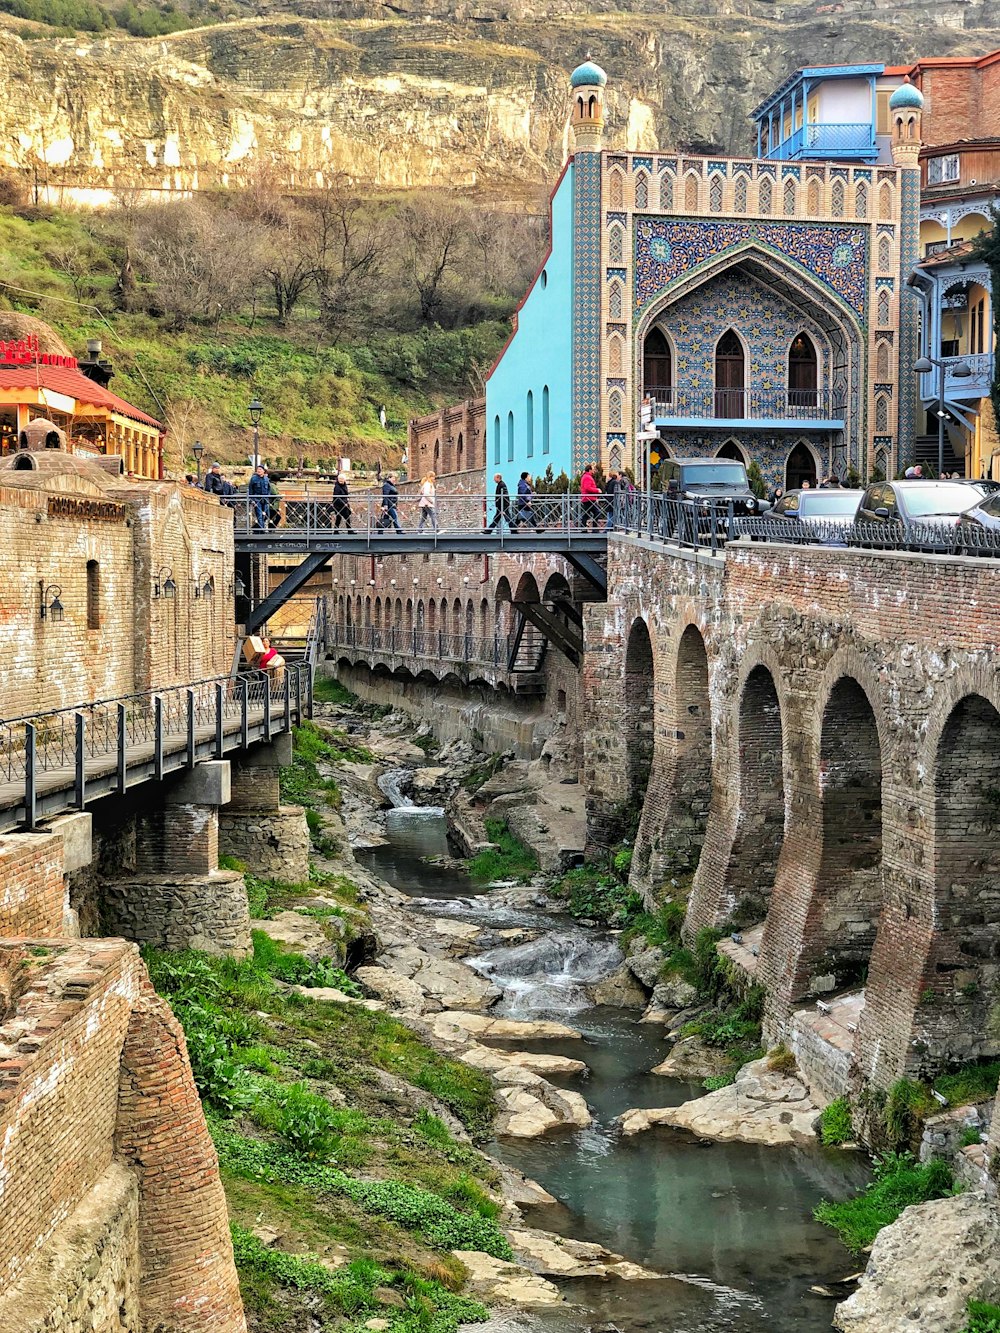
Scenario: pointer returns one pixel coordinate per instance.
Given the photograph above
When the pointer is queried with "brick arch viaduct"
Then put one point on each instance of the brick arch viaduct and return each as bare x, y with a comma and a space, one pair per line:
811, 737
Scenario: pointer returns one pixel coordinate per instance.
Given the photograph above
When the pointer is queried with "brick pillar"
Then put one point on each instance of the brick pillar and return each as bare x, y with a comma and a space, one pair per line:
188, 1280
271, 839
179, 898
605, 765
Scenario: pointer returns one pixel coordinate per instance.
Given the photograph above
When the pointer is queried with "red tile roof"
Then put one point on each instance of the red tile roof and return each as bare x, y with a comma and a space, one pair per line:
73, 383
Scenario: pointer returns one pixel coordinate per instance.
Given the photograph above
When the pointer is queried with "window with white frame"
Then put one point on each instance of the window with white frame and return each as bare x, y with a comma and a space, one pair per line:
940, 170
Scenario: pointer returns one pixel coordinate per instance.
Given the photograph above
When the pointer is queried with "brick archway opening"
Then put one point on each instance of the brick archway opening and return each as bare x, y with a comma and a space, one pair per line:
849, 883
760, 830
692, 755
966, 979
638, 713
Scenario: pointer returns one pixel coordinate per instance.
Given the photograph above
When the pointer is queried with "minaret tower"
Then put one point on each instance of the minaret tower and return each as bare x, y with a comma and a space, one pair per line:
905, 107
588, 82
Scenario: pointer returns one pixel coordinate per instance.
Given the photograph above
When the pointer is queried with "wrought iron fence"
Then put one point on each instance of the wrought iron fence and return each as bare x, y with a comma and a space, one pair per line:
145, 728
743, 404
430, 644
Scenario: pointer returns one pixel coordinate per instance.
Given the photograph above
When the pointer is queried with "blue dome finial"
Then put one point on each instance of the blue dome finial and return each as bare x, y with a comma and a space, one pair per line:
906, 97
588, 73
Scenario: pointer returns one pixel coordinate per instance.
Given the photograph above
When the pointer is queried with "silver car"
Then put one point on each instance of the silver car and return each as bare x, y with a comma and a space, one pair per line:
821, 515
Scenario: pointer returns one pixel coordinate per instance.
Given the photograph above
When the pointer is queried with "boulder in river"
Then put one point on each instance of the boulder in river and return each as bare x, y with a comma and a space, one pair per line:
453, 984
620, 990
458, 1026
926, 1266
691, 1059
762, 1106
530, 1106
560, 1256
645, 961
490, 1059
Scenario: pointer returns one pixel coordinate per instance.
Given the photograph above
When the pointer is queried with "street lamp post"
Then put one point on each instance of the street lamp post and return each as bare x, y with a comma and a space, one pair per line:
256, 412
198, 449
961, 371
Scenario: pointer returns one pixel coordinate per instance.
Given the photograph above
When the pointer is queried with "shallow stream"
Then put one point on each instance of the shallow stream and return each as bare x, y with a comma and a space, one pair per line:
732, 1224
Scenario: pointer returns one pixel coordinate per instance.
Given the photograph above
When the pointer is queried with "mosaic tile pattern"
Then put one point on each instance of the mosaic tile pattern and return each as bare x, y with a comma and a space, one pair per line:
771, 453
909, 252
667, 249
586, 308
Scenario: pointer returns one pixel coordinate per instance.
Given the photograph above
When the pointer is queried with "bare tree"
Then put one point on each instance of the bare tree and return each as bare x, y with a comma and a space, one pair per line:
435, 231
348, 244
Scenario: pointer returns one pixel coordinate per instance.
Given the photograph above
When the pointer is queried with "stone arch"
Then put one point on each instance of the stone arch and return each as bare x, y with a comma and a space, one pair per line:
692, 715
802, 464
408, 620
848, 895
637, 720
484, 619
397, 619
557, 589
378, 613
733, 449
760, 826
431, 616
527, 589
368, 610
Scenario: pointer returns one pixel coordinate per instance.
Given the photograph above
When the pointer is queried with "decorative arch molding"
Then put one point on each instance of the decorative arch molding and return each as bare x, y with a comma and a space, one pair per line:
736, 451
967, 681
850, 663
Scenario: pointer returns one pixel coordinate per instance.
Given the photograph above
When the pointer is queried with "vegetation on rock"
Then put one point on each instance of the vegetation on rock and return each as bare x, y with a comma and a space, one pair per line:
835, 1125
507, 859
899, 1181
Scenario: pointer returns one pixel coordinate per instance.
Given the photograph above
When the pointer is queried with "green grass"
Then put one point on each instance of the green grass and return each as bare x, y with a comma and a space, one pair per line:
970, 1083
899, 1181
328, 690
984, 1317
508, 859
835, 1125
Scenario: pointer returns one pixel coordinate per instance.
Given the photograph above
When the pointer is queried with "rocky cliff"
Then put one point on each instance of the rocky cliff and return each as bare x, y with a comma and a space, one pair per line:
466, 95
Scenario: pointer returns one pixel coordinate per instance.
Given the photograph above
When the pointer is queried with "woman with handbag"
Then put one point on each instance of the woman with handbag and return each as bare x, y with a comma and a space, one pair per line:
428, 502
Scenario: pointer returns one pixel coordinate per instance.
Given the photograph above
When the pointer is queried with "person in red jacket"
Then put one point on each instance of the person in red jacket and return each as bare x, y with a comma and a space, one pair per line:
590, 498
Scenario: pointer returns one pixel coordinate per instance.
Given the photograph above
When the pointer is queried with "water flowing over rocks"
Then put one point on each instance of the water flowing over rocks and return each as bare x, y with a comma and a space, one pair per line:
555, 973
926, 1266
762, 1106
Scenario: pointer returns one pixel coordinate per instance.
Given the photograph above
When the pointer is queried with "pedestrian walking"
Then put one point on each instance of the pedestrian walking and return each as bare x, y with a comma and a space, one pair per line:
611, 487
428, 502
341, 504
259, 491
590, 497
524, 513
501, 501
390, 499
214, 483
273, 503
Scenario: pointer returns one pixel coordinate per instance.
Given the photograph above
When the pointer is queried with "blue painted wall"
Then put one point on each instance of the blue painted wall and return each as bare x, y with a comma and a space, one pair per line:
529, 394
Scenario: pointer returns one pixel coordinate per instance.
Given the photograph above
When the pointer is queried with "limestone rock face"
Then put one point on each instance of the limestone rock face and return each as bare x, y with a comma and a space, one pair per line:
456, 1026
620, 990
559, 1256
496, 1280
398, 992
925, 1267
531, 1107
459, 97
452, 984
760, 1107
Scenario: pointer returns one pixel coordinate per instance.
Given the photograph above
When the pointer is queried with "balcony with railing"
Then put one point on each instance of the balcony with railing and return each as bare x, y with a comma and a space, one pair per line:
774, 409
960, 388
851, 140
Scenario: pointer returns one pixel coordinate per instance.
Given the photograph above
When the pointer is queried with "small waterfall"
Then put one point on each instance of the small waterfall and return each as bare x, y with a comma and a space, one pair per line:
391, 785
419, 829
549, 975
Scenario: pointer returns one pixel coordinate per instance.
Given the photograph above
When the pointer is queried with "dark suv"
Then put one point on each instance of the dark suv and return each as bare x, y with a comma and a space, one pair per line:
709, 486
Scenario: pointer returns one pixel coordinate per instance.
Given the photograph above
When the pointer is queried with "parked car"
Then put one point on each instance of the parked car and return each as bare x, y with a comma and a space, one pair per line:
818, 515
916, 514
985, 485
979, 527
716, 486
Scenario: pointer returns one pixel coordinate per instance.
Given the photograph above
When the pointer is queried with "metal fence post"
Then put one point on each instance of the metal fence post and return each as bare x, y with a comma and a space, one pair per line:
81, 756
220, 703
244, 714
30, 793
267, 708
158, 738
298, 692
288, 701
190, 729
310, 674
122, 749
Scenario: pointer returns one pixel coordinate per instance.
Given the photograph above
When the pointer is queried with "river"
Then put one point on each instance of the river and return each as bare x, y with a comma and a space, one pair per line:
731, 1223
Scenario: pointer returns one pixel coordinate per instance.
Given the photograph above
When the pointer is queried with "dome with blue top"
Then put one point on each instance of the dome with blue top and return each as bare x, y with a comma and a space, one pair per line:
906, 97
588, 73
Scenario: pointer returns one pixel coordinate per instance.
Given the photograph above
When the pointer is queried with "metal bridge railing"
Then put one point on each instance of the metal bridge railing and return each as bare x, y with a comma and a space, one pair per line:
144, 728
315, 517
432, 645
709, 524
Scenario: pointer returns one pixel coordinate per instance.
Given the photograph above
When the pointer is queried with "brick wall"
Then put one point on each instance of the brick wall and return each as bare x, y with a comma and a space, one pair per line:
959, 102
126, 640
855, 665
452, 440
32, 892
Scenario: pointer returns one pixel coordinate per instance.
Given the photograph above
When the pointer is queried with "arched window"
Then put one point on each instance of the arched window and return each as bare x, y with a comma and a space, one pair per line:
510, 437
461, 450
715, 194
657, 366
666, 192
616, 246
529, 423
764, 195
545, 419
641, 191
93, 595
740, 193
884, 253
861, 200
884, 308
615, 411
496, 438
615, 355
885, 201
580, 107
803, 372
800, 466
691, 192
592, 106
437, 454
615, 302
732, 450
729, 376
616, 193
788, 198
432, 615
882, 361
837, 203
813, 198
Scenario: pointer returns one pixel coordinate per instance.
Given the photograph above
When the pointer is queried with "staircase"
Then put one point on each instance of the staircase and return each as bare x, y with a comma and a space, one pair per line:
925, 452
527, 653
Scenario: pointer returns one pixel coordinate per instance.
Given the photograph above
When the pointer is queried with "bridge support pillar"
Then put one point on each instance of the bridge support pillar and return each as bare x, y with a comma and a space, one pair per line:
604, 748
178, 897
271, 839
